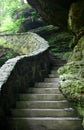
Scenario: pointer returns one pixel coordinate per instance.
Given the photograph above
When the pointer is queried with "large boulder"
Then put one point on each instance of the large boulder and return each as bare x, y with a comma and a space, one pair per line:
31, 23
76, 17
30, 19
72, 74
24, 12
53, 11
59, 41
6, 53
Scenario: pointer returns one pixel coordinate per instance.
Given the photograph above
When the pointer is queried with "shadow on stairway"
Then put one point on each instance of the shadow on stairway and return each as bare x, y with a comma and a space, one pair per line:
43, 107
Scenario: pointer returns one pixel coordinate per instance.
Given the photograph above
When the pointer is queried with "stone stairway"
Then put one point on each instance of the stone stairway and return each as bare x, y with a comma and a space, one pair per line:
43, 107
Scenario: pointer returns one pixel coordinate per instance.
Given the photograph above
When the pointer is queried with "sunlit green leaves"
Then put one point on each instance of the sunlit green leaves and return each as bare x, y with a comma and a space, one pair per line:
8, 7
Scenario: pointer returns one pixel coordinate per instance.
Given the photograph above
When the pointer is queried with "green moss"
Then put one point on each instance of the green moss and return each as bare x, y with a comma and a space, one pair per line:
8, 53
76, 17
60, 40
59, 44
72, 77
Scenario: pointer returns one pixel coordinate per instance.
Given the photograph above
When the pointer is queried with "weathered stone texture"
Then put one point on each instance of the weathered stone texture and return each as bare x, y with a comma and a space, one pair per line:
17, 74
72, 77
24, 43
72, 73
76, 17
53, 11
21, 72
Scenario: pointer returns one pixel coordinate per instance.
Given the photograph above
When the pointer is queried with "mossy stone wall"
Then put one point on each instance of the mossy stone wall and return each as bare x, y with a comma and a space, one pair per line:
72, 74
19, 73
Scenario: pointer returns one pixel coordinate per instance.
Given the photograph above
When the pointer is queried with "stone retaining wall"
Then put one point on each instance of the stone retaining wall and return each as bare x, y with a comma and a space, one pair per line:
23, 43
21, 72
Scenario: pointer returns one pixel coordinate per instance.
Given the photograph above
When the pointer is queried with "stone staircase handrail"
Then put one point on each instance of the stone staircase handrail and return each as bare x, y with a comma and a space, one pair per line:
22, 71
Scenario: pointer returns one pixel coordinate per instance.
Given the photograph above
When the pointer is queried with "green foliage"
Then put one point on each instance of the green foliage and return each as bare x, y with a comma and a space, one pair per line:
10, 25
64, 55
9, 53
5, 44
6, 51
72, 80
8, 7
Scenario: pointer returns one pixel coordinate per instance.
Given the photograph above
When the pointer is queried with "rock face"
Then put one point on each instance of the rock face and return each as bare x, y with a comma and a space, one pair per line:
72, 77
6, 53
31, 18
58, 40
54, 11
76, 18
75, 66
72, 74
21, 72
29, 24
24, 12
23, 42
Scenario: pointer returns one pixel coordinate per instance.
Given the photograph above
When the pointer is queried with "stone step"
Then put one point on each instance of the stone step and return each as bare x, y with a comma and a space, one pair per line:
44, 108
66, 112
43, 90
55, 68
46, 123
53, 76
52, 80
47, 85
54, 72
41, 97
42, 104
58, 64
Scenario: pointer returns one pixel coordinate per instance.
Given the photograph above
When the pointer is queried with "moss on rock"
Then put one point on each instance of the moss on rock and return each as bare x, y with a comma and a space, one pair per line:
6, 53
74, 69
76, 17
72, 77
